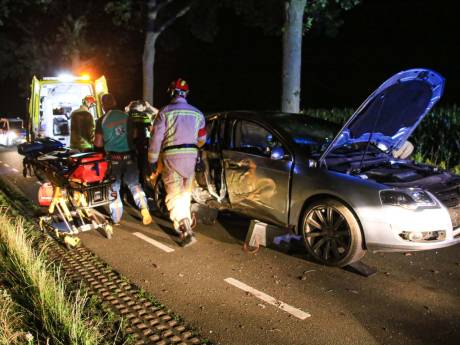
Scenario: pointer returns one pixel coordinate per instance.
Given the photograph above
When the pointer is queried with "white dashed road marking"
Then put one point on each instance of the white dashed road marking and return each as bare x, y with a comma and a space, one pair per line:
153, 242
6, 165
268, 299
15, 170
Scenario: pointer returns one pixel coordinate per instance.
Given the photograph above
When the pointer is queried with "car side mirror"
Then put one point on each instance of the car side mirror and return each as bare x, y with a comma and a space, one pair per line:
277, 153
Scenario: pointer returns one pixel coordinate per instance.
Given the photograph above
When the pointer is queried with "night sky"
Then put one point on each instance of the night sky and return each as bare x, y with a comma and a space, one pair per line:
241, 68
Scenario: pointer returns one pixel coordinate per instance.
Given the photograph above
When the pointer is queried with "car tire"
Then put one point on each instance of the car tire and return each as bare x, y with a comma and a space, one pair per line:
159, 196
331, 233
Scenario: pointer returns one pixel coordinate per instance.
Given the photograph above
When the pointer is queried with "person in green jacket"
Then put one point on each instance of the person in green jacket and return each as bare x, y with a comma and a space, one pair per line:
82, 126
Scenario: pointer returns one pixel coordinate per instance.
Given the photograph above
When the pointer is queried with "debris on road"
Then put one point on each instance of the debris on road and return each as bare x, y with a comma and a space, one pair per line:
304, 274
353, 291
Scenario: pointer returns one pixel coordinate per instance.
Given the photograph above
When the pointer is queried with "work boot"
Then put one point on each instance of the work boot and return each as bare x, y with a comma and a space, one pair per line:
146, 217
187, 234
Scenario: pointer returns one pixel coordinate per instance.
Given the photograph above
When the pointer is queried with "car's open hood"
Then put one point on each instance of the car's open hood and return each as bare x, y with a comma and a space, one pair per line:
392, 112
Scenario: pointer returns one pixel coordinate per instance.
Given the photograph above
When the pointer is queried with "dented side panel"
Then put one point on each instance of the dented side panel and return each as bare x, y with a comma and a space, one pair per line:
258, 186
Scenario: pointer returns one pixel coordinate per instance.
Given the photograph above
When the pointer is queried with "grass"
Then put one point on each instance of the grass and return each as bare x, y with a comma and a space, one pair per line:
38, 291
11, 322
35, 311
113, 324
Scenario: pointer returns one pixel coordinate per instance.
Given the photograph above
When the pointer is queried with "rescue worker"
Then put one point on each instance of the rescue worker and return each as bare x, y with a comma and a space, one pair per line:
178, 131
112, 134
141, 115
82, 126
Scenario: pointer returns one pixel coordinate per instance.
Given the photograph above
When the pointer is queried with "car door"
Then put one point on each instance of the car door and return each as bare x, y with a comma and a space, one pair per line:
100, 88
211, 176
33, 118
257, 179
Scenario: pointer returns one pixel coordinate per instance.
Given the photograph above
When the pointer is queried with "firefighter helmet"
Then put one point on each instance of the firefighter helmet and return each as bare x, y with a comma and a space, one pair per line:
89, 101
178, 87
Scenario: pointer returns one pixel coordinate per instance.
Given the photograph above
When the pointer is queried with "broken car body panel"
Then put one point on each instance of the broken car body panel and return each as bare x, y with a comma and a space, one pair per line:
266, 165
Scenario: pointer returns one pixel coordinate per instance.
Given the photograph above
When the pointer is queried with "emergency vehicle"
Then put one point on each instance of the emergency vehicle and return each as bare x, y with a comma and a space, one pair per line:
53, 99
12, 131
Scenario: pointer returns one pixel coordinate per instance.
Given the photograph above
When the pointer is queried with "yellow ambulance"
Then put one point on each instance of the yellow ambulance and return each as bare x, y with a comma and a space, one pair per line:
52, 100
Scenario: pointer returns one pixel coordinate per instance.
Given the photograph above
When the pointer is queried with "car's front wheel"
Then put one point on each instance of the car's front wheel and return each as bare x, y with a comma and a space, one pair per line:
159, 196
331, 233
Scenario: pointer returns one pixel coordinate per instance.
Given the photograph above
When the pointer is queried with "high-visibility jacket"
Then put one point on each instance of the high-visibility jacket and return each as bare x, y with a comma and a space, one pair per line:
178, 130
81, 129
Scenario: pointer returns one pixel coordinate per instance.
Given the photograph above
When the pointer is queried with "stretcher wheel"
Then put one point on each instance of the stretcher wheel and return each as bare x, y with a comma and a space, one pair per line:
71, 242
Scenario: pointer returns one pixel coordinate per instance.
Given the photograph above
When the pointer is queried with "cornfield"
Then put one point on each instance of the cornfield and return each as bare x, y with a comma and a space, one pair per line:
436, 140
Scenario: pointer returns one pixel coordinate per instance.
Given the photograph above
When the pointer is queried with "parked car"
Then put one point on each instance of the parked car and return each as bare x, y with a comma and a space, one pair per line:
343, 190
12, 131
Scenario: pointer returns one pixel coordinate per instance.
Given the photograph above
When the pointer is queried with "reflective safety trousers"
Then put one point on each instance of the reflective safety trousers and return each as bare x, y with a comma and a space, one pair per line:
178, 191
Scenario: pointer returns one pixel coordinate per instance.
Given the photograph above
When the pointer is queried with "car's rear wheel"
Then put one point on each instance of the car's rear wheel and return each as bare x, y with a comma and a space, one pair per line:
331, 233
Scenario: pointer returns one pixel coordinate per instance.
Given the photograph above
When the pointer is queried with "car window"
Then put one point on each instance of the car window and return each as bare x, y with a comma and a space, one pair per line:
209, 130
252, 138
212, 137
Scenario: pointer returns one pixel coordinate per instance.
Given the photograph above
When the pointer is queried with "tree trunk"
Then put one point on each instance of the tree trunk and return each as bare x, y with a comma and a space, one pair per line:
75, 63
292, 55
148, 63
148, 58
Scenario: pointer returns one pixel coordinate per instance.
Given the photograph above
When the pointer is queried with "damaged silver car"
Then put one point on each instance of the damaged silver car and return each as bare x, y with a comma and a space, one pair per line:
343, 190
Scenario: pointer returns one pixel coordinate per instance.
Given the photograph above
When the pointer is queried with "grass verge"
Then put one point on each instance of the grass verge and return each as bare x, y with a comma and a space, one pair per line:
11, 321
37, 290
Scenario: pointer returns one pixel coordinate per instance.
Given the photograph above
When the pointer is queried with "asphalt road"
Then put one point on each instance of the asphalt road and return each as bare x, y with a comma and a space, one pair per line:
413, 299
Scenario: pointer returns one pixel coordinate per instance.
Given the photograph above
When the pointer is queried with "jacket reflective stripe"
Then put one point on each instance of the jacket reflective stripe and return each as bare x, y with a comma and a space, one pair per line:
171, 117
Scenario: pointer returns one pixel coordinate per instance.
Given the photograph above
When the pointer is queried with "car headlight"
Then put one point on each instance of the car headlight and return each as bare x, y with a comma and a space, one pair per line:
410, 199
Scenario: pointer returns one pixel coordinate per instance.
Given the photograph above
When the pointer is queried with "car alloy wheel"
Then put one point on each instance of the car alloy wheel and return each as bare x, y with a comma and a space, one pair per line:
331, 233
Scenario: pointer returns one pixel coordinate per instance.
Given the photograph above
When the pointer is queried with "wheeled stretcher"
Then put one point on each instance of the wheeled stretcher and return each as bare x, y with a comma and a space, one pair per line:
76, 184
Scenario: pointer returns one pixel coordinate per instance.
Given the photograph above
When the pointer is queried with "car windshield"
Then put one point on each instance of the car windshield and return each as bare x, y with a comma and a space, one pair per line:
15, 124
310, 133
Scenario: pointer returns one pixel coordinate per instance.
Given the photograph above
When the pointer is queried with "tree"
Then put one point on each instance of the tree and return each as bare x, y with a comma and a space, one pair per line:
158, 15
292, 55
44, 37
298, 18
